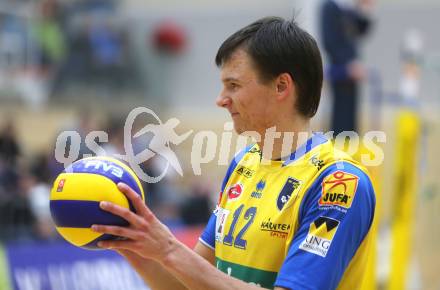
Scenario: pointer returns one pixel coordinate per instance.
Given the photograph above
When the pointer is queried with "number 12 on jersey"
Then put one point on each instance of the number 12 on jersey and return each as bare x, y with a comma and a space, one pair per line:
238, 241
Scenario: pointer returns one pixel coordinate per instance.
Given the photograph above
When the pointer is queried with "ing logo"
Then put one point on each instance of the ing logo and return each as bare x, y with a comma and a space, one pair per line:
320, 236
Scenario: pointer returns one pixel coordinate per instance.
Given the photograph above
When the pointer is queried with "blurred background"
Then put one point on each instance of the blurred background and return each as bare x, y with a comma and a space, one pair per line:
85, 64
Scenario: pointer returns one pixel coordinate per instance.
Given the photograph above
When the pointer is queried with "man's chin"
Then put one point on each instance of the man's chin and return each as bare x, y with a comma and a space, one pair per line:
238, 129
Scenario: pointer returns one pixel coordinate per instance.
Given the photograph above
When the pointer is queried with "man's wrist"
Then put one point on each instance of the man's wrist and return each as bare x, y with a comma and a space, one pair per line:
171, 253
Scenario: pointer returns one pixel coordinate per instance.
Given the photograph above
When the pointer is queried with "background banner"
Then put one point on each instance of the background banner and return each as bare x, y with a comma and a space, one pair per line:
60, 266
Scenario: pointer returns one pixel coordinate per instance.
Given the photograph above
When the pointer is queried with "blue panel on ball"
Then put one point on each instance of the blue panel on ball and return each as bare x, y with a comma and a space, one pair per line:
105, 168
82, 214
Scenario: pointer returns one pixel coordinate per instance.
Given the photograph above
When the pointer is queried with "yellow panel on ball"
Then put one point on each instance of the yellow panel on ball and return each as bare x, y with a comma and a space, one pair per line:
84, 186
78, 236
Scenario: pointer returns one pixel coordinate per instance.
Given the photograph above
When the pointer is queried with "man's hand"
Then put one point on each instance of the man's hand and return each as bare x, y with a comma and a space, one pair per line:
146, 236
162, 261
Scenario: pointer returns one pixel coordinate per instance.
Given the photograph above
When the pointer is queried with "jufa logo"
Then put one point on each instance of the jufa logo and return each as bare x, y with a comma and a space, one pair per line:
339, 189
336, 198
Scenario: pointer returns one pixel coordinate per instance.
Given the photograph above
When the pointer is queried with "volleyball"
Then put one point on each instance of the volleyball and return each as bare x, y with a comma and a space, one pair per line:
77, 192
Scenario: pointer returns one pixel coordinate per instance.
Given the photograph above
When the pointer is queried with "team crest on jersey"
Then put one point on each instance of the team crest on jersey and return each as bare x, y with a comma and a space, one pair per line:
234, 191
320, 236
339, 189
291, 185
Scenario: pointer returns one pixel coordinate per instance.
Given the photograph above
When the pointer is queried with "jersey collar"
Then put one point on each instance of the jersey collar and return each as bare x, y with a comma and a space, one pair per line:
314, 141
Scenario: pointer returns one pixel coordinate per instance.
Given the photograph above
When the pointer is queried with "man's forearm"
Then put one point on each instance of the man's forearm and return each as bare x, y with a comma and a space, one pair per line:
197, 273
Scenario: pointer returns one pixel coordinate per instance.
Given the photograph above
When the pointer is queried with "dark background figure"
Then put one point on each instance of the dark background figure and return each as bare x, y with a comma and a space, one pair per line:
196, 209
10, 153
343, 24
9, 146
16, 218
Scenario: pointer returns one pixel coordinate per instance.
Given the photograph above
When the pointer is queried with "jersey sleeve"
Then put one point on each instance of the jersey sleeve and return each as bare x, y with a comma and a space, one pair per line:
208, 235
334, 218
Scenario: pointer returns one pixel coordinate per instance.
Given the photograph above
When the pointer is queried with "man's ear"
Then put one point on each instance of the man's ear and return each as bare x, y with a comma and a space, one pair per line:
284, 86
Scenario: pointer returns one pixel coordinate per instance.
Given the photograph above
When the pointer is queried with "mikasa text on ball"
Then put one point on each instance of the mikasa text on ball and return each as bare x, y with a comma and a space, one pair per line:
77, 191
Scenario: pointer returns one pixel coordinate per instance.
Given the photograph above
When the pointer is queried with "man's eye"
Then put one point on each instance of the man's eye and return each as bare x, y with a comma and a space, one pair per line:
233, 86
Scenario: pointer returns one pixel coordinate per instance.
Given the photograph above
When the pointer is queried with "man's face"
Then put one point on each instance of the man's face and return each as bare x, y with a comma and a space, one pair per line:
248, 100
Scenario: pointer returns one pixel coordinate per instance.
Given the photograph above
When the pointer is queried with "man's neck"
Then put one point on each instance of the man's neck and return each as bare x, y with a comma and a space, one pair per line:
280, 141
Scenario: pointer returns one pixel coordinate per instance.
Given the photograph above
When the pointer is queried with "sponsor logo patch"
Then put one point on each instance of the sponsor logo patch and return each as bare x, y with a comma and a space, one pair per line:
222, 216
234, 191
320, 236
255, 150
61, 185
318, 163
339, 189
278, 230
220, 196
286, 192
246, 172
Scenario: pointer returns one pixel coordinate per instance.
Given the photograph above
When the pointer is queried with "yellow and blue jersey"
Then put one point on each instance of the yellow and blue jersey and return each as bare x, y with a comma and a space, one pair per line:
301, 223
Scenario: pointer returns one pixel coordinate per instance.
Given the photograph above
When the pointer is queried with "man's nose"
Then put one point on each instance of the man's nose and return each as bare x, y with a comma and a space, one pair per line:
223, 101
